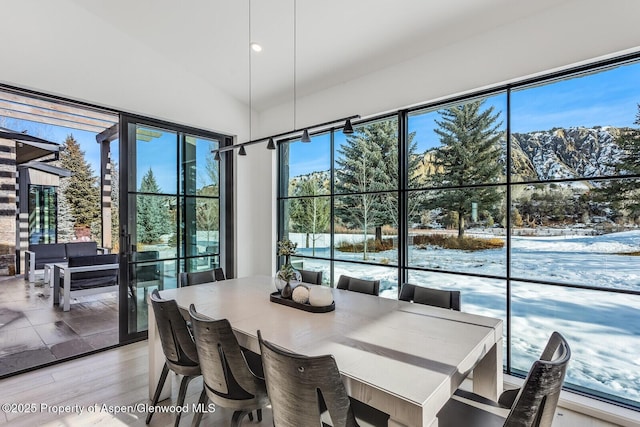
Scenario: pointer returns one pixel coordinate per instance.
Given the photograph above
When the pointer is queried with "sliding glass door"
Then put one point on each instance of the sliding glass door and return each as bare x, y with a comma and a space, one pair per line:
171, 204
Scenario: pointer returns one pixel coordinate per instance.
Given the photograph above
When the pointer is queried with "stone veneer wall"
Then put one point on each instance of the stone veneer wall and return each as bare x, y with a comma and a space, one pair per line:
7, 207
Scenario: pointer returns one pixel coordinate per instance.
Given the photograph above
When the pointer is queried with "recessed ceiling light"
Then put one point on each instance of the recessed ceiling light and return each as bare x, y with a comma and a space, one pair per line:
256, 47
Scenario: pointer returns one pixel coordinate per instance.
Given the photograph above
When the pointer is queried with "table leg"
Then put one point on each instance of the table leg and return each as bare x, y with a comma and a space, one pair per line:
487, 375
156, 359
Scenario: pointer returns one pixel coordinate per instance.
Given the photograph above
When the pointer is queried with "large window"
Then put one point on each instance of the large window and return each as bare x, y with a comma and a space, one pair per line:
526, 199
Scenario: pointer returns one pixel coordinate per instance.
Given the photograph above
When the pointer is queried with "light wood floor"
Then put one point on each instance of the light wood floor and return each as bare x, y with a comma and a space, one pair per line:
113, 378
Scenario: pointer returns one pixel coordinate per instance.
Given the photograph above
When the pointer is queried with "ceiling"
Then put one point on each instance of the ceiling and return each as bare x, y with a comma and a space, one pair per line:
336, 40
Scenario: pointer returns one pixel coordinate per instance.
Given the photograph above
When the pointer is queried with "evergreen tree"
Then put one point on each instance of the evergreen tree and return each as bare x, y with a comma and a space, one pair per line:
310, 215
152, 216
625, 194
82, 192
469, 154
368, 162
65, 217
115, 207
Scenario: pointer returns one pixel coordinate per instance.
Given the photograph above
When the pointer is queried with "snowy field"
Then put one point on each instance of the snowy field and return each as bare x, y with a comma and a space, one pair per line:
603, 328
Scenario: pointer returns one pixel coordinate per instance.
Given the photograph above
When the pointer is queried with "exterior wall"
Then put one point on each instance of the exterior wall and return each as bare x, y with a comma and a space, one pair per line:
7, 207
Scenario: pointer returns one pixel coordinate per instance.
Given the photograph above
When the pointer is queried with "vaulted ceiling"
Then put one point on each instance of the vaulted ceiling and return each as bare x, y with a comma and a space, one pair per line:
335, 40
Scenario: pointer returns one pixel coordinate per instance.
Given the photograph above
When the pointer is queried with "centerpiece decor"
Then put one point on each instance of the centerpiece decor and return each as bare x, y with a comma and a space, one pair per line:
287, 277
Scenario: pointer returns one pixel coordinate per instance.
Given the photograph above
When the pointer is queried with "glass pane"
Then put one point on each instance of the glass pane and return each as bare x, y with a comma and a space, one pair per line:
366, 227
307, 224
202, 263
367, 160
388, 276
152, 221
146, 275
156, 154
576, 232
571, 128
602, 328
200, 169
475, 244
306, 168
458, 145
202, 224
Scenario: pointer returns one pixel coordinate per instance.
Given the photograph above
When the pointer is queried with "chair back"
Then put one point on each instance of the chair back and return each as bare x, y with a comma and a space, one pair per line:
537, 400
371, 287
88, 260
313, 277
177, 344
429, 296
81, 248
300, 385
218, 273
197, 277
228, 380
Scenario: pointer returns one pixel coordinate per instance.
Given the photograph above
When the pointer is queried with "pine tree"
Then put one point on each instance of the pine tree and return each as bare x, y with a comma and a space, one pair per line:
65, 217
469, 154
115, 206
82, 192
368, 162
310, 215
625, 193
152, 215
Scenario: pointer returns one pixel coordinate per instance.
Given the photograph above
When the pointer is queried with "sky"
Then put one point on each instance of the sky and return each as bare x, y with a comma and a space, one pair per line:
607, 98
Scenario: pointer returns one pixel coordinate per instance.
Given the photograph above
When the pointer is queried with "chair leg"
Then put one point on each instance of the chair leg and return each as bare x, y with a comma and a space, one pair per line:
237, 417
156, 396
259, 412
250, 415
181, 395
197, 417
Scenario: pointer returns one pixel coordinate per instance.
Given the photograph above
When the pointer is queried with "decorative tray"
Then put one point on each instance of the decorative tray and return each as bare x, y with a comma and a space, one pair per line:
275, 297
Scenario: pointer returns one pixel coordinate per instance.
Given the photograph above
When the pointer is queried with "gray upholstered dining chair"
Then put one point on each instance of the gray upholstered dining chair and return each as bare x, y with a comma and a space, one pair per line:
307, 391
429, 296
196, 277
229, 382
313, 277
371, 287
178, 347
218, 273
533, 405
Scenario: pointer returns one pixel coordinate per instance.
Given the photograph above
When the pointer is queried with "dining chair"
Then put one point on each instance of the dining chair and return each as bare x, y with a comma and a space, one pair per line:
197, 277
313, 277
178, 346
533, 405
430, 296
308, 391
229, 381
371, 287
218, 273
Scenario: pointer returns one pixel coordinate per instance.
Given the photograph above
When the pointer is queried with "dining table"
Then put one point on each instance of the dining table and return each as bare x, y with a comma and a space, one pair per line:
402, 358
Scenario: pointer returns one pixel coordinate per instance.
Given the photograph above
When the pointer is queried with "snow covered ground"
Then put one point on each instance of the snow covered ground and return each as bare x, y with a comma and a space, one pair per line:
603, 328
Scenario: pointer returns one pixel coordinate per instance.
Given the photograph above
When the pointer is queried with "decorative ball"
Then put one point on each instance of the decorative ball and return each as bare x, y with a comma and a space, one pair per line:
300, 294
320, 296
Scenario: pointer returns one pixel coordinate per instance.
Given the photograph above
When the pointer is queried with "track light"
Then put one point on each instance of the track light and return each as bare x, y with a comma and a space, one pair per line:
242, 151
305, 136
348, 128
271, 145
217, 156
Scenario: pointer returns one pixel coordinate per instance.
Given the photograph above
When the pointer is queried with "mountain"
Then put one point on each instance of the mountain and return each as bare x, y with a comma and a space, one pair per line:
565, 153
555, 154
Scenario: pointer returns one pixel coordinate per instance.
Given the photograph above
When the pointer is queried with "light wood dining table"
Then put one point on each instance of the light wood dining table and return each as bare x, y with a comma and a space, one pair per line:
402, 358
